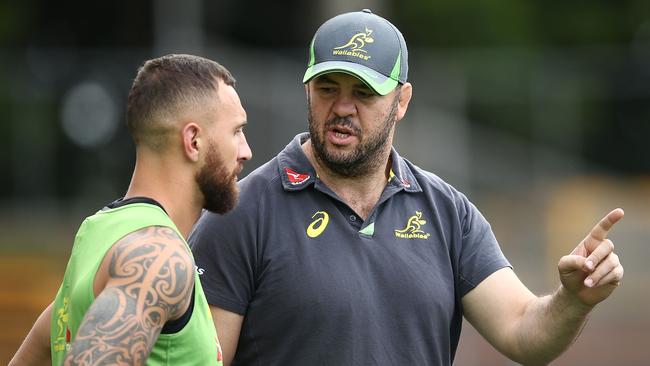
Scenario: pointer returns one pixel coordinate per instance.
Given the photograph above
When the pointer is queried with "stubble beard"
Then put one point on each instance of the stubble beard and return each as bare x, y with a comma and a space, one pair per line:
365, 157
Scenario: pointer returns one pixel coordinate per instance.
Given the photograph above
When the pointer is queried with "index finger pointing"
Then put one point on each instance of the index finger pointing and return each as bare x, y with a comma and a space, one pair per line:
600, 231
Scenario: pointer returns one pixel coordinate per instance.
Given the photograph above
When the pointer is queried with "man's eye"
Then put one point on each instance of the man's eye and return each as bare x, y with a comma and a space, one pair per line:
364, 93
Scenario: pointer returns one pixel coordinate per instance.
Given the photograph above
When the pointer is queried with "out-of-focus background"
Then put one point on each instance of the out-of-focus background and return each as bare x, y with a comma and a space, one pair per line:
538, 111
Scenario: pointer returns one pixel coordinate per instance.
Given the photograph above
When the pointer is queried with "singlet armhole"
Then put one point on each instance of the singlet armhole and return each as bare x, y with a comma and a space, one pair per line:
172, 326
176, 325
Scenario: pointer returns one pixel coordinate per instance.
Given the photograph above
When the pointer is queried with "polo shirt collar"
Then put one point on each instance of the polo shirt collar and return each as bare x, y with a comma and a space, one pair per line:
401, 174
297, 173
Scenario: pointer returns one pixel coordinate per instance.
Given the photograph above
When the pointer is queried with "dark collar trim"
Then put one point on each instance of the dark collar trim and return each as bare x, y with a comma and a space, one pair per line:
138, 199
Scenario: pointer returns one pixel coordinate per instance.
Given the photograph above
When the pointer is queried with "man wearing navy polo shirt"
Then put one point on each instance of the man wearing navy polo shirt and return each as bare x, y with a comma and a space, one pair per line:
342, 252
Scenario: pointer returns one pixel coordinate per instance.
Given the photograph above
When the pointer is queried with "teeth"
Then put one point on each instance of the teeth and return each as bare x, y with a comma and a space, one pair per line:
341, 134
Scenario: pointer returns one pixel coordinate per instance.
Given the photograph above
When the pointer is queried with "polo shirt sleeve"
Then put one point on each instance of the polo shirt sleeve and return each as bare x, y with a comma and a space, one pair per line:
480, 254
225, 256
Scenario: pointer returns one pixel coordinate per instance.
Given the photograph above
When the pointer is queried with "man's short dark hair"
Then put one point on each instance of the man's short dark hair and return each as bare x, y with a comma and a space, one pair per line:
164, 88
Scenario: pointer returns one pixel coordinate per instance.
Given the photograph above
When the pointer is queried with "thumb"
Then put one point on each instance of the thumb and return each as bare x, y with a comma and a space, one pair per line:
570, 263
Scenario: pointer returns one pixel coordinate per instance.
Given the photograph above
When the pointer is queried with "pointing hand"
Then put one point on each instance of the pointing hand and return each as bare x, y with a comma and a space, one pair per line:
592, 271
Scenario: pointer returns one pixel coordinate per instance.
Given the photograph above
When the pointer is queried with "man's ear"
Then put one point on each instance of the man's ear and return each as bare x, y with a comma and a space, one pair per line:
404, 99
191, 141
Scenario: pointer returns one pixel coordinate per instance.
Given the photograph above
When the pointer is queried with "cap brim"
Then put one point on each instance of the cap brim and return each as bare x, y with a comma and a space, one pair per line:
381, 84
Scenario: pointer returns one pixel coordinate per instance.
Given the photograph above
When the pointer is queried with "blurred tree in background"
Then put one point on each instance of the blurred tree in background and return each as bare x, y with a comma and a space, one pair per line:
594, 56
572, 76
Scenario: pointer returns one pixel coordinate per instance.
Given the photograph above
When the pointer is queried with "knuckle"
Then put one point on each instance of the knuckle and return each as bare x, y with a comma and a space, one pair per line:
610, 244
595, 257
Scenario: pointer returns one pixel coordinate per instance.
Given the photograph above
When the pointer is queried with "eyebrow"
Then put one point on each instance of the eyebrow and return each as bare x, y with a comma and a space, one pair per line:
241, 124
325, 79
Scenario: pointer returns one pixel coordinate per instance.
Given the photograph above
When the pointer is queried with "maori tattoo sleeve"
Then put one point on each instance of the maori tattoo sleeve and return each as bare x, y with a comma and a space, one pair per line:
151, 276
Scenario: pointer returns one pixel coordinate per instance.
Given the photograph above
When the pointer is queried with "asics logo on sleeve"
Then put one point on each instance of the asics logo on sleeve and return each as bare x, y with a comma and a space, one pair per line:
318, 225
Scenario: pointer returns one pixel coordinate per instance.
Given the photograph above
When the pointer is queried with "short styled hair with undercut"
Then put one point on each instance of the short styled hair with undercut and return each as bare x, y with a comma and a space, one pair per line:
164, 89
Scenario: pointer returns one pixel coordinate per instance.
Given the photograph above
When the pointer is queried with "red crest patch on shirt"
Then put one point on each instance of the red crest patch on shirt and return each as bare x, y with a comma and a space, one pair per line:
295, 177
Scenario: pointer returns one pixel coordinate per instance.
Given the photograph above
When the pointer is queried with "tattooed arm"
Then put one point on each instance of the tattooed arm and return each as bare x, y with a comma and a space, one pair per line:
149, 280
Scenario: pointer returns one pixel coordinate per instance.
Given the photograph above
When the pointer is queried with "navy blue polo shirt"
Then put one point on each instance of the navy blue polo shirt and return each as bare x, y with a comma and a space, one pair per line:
318, 285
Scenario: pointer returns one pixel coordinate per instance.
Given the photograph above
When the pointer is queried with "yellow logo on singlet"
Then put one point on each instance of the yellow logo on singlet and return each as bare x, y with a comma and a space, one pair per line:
318, 225
62, 318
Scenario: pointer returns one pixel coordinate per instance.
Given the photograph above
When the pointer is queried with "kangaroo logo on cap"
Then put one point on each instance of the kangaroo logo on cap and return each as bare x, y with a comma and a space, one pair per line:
355, 46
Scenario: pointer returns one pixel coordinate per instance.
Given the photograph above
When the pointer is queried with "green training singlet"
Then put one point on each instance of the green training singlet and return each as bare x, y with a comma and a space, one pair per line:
195, 344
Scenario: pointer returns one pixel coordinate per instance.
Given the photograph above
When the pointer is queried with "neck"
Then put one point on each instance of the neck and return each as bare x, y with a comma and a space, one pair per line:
160, 180
360, 193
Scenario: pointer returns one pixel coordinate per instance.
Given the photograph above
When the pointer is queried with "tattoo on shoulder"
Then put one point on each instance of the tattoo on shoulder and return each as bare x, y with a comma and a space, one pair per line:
150, 281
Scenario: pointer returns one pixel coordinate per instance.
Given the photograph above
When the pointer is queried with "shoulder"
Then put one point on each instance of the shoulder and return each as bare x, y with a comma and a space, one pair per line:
432, 184
260, 179
147, 254
151, 271
150, 237
450, 202
116, 223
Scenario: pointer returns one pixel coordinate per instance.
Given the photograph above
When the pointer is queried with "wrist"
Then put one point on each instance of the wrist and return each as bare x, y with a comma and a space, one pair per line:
567, 300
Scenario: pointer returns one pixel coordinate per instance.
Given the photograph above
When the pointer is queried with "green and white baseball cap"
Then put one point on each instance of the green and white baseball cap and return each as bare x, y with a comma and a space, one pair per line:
362, 44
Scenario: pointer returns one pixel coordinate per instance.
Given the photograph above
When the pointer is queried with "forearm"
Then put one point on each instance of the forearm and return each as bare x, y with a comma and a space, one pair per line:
548, 327
36, 356
35, 349
228, 325
535, 330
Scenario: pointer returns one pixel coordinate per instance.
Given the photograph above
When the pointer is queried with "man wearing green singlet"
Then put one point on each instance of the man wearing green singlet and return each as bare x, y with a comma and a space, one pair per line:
130, 294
